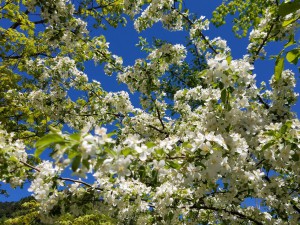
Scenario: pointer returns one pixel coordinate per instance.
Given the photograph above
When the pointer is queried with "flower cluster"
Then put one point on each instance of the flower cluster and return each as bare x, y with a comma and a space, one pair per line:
43, 186
154, 13
283, 95
12, 157
198, 26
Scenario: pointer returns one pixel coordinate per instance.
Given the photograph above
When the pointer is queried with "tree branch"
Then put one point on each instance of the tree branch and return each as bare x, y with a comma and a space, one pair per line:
159, 118
63, 178
201, 34
242, 216
263, 102
18, 23
80, 182
30, 166
159, 130
265, 39
20, 56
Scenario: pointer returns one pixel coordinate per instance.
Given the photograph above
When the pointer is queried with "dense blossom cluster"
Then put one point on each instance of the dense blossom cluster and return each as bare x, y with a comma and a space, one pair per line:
190, 155
154, 13
12, 153
42, 186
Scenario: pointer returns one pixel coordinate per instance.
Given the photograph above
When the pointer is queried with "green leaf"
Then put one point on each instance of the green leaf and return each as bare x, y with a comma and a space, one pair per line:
75, 136
174, 164
76, 163
184, 91
224, 96
291, 41
180, 5
126, 151
99, 163
142, 171
30, 119
150, 144
288, 22
269, 144
111, 152
202, 73
159, 151
46, 141
289, 123
295, 157
293, 56
285, 127
111, 134
14, 159
72, 153
54, 129
154, 176
86, 163
289, 7
228, 59
186, 145
271, 133
278, 67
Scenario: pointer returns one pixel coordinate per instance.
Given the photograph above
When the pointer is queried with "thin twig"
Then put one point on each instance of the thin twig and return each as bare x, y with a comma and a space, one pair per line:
80, 182
21, 56
159, 118
159, 130
260, 162
242, 216
30, 166
263, 102
63, 178
201, 34
265, 39
263, 42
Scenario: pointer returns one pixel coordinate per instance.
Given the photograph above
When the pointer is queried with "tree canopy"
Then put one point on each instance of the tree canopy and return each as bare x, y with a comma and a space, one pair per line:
203, 138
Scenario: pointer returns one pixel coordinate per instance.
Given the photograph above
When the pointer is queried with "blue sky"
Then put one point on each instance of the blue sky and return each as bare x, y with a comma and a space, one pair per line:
123, 40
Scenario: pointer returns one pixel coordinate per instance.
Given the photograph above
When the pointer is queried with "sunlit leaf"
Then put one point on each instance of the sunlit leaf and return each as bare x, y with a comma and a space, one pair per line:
293, 56
278, 67
268, 145
174, 164
291, 41
46, 141
76, 163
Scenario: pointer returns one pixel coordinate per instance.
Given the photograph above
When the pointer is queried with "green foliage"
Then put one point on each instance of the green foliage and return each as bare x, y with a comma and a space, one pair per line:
21, 212
288, 7
109, 15
248, 14
89, 219
46, 141
26, 39
26, 212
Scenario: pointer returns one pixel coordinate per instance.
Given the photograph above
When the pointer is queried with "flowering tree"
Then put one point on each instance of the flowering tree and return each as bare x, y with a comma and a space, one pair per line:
203, 139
